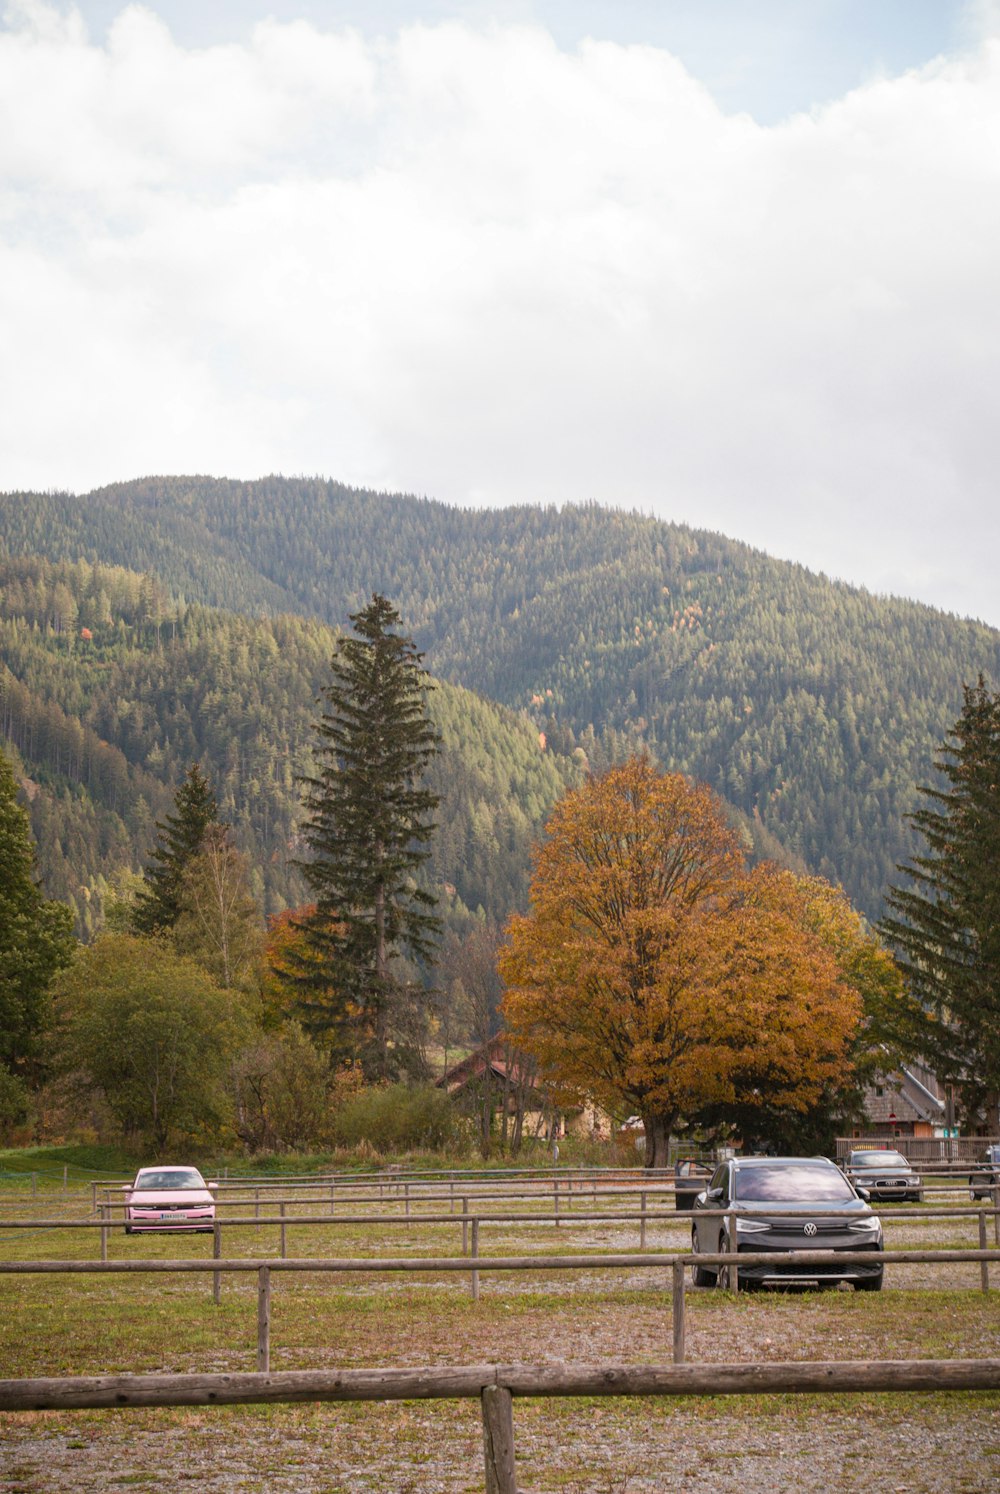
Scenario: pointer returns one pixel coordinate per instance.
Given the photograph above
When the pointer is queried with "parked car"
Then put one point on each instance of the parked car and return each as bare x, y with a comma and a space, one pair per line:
690, 1176
787, 1203
885, 1174
987, 1174
169, 1198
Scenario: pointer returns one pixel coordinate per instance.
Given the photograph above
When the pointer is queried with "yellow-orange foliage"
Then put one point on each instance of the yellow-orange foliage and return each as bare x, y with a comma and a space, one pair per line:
654, 972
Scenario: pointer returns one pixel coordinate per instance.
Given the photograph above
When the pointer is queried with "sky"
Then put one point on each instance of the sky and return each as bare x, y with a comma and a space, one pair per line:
735, 263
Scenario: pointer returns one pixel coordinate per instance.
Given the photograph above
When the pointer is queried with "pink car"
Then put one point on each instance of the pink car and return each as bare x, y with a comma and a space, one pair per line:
169, 1198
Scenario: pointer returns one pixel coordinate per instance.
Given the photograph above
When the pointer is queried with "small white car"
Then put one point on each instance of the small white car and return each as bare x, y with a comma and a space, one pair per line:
169, 1199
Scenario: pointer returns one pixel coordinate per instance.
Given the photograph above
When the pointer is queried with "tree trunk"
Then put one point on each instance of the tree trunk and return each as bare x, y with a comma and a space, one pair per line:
658, 1129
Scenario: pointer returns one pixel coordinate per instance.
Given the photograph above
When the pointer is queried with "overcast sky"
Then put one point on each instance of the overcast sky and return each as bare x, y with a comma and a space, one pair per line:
732, 262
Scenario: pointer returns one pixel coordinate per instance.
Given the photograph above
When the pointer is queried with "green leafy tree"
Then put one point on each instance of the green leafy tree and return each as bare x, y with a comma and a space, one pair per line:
151, 1032
181, 840
368, 826
945, 923
36, 935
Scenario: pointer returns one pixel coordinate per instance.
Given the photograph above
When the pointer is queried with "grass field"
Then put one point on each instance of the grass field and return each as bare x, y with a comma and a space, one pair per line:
88, 1324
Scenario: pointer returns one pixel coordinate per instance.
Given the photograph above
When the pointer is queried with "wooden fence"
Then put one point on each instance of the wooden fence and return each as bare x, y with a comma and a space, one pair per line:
727, 1263
495, 1387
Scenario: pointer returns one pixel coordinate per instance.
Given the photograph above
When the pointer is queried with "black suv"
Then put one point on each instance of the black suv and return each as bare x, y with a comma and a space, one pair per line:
787, 1203
987, 1174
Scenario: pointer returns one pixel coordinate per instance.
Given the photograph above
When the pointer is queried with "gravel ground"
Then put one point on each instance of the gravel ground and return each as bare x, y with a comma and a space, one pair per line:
923, 1445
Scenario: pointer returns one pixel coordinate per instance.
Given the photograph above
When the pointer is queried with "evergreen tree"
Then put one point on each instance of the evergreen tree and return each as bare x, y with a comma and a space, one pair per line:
36, 935
945, 925
368, 827
181, 840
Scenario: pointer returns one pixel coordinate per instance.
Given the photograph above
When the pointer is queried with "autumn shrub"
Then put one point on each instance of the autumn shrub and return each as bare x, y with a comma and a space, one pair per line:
400, 1118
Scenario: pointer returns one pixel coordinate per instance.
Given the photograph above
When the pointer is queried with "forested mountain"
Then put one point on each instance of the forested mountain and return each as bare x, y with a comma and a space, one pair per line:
110, 688
813, 707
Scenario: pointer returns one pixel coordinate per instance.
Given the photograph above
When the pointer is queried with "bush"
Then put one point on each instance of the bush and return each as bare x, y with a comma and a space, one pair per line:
400, 1118
15, 1106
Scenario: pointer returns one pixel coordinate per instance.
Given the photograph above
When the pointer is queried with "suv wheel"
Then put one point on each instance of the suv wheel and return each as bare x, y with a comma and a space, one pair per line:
700, 1275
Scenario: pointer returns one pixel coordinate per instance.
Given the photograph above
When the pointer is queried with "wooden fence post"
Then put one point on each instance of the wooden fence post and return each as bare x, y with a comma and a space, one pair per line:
475, 1254
498, 1440
642, 1226
678, 1294
732, 1272
264, 1320
984, 1267
282, 1207
555, 1198
104, 1231
256, 1203
465, 1226
406, 1199
216, 1255
996, 1213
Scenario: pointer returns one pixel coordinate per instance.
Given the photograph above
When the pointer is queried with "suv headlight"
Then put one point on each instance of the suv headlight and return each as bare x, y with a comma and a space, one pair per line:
870, 1226
750, 1226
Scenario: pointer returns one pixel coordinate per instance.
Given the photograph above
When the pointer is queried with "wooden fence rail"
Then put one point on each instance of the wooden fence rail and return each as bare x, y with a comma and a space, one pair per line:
466, 1219
477, 1264
495, 1386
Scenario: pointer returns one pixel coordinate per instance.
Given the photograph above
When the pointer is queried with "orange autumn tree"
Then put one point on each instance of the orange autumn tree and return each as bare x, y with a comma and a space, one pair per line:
652, 964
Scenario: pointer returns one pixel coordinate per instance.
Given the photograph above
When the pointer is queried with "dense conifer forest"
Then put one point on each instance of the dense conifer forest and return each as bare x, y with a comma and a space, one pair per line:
110, 688
813, 707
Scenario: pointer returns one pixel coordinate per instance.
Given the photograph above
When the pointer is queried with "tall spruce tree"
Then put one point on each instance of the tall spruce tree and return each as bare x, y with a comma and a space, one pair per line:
36, 936
945, 925
181, 840
368, 826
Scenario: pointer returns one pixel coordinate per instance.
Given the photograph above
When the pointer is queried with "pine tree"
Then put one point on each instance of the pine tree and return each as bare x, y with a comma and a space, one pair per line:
181, 840
945, 925
368, 827
36, 935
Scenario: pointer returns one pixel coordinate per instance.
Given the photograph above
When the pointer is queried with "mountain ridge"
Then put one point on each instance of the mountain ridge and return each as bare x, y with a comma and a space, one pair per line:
814, 706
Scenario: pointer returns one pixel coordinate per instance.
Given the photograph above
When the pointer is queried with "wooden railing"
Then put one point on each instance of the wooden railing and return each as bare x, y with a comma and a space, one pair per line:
476, 1265
495, 1387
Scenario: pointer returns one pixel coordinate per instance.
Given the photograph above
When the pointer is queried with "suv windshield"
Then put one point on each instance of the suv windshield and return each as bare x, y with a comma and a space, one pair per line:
878, 1159
799, 1183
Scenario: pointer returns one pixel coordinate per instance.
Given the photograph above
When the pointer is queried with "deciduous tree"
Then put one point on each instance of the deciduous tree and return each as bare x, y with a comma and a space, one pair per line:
654, 974
150, 1031
218, 923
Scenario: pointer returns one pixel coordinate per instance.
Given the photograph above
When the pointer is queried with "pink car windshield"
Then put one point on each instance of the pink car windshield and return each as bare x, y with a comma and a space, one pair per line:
178, 1177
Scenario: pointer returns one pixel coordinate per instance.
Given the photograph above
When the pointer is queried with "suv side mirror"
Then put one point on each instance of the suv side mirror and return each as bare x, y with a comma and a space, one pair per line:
862, 1192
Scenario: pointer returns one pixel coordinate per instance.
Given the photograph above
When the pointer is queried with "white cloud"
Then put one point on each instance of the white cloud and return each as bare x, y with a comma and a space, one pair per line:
465, 262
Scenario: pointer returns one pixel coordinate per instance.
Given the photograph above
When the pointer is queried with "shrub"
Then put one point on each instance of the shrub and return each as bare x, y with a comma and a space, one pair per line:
399, 1118
15, 1105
